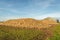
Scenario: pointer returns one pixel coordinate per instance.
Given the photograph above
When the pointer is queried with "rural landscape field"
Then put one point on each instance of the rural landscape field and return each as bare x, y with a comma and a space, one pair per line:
29, 19
47, 29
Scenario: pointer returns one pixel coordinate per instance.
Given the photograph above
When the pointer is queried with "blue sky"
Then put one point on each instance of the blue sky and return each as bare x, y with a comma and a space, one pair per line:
38, 9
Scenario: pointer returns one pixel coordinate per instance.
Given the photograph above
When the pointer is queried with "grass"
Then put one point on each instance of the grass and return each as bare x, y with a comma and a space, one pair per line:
56, 33
13, 33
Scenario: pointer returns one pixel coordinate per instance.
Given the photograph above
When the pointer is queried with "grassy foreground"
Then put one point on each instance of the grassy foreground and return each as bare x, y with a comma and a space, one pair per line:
56, 33
14, 33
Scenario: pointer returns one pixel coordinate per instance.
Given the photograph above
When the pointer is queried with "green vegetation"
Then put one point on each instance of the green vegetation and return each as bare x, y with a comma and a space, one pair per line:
56, 33
15, 33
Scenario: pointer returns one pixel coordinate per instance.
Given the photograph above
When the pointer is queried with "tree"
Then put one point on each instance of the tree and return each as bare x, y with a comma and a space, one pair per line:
57, 21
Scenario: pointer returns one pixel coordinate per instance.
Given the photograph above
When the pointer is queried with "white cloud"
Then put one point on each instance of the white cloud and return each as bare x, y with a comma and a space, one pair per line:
8, 18
43, 3
55, 14
5, 4
9, 5
14, 10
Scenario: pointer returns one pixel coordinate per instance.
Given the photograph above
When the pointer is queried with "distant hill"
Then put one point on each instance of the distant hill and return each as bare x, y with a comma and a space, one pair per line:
30, 23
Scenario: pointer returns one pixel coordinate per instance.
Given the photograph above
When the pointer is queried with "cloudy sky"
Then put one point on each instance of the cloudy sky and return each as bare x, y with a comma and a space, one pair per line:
11, 9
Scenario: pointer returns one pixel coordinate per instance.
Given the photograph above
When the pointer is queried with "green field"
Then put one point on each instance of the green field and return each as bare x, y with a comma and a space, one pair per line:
14, 33
56, 33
